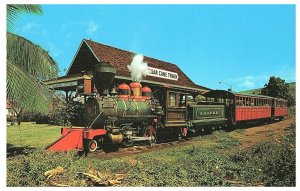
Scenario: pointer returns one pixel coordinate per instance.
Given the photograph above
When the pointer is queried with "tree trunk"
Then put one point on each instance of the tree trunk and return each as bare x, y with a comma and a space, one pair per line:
19, 116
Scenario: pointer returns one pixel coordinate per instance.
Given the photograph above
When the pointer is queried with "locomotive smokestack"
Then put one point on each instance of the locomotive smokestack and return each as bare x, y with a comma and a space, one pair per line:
138, 68
103, 75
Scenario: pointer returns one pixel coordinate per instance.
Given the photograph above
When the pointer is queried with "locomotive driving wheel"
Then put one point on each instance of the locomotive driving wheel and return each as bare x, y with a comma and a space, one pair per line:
128, 142
151, 133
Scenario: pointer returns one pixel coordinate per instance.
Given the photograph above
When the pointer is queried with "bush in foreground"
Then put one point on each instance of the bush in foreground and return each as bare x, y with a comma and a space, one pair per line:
265, 164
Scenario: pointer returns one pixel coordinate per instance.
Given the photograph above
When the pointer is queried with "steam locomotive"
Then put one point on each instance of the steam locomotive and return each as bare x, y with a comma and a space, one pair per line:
134, 113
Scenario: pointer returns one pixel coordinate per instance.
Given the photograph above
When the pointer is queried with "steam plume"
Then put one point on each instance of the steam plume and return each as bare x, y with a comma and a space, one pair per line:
138, 68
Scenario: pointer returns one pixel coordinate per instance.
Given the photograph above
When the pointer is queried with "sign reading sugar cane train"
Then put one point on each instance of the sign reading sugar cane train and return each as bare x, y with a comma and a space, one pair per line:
162, 74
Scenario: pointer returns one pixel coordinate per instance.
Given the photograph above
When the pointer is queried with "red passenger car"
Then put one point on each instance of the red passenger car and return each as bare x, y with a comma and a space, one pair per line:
252, 107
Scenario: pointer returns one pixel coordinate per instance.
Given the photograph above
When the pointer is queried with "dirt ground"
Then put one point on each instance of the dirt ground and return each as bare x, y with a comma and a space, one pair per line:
253, 135
247, 137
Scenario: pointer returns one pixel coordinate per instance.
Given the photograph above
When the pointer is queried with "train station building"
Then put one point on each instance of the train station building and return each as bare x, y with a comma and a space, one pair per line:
79, 75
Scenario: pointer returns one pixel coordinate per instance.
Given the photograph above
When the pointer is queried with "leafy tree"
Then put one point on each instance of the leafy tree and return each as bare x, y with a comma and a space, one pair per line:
278, 88
27, 65
291, 100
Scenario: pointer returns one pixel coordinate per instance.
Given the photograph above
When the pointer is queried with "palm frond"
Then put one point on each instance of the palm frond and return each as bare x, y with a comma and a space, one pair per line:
30, 58
24, 91
14, 10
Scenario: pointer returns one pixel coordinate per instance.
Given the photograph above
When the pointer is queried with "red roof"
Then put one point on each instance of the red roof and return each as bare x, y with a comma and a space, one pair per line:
120, 59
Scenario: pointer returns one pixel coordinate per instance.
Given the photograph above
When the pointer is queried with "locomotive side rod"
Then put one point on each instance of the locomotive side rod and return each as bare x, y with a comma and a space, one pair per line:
141, 139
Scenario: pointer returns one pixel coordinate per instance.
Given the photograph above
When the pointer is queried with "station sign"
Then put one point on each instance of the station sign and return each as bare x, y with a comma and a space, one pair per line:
155, 72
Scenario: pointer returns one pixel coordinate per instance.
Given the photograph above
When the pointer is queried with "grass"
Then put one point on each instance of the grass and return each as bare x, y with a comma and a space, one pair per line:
33, 135
211, 160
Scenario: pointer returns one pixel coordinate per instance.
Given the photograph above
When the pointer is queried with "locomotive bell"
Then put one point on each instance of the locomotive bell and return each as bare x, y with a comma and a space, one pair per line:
113, 91
103, 75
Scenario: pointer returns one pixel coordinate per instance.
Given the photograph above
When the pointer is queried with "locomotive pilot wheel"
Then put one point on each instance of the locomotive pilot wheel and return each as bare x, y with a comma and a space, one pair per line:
91, 145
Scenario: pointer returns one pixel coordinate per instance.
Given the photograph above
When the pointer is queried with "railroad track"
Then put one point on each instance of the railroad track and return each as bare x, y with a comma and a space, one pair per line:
139, 148
143, 147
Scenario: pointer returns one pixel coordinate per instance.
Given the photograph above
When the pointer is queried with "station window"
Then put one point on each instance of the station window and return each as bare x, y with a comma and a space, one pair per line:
190, 99
182, 100
172, 100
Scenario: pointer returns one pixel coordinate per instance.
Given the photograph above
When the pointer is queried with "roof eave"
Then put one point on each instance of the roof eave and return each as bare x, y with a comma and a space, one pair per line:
83, 41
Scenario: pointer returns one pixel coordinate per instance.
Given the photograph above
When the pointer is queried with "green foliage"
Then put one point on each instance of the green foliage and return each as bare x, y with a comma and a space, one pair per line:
292, 110
278, 88
220, 164
24, 92
291, 100
30, 58
37, 117
29, 170
70, 113
292, 87
280, 170
270, 163
224, 140
27, 65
